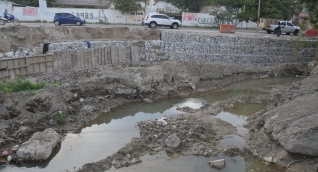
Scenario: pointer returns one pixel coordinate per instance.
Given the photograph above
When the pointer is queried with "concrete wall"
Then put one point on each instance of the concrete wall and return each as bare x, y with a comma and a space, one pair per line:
90, 15
5, 5
235, 50
207, 20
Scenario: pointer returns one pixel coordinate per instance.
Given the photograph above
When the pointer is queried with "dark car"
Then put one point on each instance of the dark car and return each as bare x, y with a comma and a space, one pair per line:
67, 18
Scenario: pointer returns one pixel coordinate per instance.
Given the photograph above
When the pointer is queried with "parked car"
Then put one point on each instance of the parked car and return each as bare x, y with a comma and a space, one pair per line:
286, 27
67, 18
153, 20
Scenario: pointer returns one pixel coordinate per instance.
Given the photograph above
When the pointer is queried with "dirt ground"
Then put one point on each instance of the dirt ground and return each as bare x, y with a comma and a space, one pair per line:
82, 98
15, 37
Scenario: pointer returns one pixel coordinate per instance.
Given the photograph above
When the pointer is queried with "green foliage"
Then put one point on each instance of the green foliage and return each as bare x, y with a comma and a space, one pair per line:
274, 9
226, 11
190, 5
312, 8
19, 84
126, 6
60, 118
33, 3
56, 84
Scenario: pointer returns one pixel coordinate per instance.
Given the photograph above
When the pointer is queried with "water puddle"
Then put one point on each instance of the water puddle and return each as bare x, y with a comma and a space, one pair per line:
237, 117
108, 133
161, 162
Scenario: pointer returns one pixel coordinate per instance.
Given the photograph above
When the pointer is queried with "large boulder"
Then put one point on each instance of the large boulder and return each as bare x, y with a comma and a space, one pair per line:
295, 125
39, 146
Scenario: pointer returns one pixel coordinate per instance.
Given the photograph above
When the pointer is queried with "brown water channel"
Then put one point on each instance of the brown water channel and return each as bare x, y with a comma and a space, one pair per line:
110, 132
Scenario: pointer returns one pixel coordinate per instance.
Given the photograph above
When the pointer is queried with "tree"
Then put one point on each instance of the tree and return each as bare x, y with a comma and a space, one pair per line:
311, 7
126, 6
282, 9
190, 5
226, 11
33, 3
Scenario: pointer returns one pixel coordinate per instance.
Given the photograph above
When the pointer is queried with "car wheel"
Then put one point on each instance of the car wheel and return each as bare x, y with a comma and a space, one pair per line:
152, 24
78, 23
57, 23
175, 26
287, 33
296, 32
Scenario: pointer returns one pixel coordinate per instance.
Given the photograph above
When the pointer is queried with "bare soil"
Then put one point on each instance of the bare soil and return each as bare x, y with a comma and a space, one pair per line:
15, 37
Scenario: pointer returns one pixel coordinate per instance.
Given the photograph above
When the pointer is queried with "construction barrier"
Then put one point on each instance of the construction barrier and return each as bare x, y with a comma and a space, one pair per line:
227, 28
310, 32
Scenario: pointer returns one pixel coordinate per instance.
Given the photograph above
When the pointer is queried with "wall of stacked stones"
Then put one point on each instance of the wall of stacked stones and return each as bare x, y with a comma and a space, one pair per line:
238, 50
227, 49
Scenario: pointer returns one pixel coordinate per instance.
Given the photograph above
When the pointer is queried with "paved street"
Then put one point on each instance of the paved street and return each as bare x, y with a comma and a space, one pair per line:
250, 32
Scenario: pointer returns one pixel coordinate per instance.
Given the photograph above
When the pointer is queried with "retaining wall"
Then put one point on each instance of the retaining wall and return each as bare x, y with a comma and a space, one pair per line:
236, 50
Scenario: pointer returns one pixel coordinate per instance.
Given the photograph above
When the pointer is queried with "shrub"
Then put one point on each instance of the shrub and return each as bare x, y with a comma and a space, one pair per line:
60, 118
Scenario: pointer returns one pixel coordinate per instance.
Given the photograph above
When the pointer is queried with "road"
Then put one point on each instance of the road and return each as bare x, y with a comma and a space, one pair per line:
250, 32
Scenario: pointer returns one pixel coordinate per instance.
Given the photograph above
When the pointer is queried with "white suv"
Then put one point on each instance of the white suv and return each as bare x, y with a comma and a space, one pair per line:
153, 20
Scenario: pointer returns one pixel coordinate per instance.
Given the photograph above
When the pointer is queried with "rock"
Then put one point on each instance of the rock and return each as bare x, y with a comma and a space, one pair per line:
217, 164
148, 100
269, 159
264, 77
1, 55
39, 146
293, 125
173, 141
9, 54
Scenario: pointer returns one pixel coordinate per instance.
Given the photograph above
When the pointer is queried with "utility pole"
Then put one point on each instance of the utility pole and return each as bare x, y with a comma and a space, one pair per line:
259, 10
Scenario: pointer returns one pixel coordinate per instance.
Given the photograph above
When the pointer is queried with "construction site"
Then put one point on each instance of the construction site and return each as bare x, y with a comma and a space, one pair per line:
141, 99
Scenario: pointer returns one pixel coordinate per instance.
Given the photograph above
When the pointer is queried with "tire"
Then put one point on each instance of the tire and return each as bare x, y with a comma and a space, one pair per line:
57, 23
2, 22
268, 31
175, 26
153, 25
295, 33
287, 33
78, 23
16, 22
275, 31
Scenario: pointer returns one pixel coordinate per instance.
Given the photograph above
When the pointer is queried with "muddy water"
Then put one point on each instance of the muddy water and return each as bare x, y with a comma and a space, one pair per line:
107, 134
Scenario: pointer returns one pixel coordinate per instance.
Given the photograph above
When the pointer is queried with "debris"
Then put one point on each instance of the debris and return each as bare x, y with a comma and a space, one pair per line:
217, 164
4, 153
81, 99
9, 158
269, 159
291, 163
147, 100
162, 121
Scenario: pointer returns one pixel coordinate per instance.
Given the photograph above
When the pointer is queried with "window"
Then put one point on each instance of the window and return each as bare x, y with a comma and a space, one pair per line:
156, 16
164, 17
283, 23
132, 13
289, 24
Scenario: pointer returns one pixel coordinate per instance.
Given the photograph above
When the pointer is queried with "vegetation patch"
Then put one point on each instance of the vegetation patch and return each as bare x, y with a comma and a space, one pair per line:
19, 84
60, 118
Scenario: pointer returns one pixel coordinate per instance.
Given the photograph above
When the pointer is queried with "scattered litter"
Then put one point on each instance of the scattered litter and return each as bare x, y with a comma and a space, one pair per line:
81, 99
162, 121
9, 158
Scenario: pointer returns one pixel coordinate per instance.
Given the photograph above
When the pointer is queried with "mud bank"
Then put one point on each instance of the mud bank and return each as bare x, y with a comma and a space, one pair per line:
83, 95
